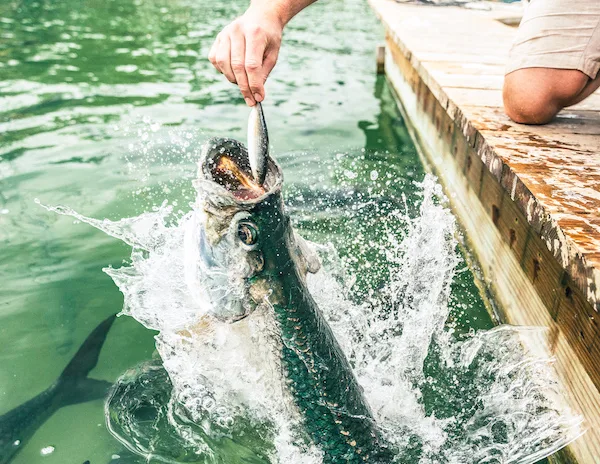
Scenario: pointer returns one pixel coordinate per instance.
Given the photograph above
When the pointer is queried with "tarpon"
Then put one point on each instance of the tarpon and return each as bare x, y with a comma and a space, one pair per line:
72, 386
251, 255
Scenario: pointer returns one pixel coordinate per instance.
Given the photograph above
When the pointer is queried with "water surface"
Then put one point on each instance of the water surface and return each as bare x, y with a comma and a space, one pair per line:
104, 106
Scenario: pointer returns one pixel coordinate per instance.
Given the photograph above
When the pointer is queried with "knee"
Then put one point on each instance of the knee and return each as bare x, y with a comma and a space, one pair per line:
528, 109
536, 95
527, 105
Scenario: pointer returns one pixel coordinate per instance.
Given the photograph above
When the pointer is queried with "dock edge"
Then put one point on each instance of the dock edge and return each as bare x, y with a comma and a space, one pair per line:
510, 235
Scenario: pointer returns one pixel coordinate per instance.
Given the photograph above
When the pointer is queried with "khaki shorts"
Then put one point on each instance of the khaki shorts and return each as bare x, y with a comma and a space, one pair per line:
563, 34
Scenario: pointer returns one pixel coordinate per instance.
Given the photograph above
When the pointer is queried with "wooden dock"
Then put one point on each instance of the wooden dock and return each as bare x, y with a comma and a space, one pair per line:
528, 197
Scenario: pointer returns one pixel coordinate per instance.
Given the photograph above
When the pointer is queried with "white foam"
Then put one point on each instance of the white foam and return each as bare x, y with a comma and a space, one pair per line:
513, 410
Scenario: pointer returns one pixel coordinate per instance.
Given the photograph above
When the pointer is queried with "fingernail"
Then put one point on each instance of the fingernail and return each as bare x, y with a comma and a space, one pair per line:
248, 101
258, 97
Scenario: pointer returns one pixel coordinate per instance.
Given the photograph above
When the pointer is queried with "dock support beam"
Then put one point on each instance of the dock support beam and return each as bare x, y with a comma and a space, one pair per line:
380, 59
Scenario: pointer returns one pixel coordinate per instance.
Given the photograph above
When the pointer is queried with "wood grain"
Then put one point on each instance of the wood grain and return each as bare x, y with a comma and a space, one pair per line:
528, 197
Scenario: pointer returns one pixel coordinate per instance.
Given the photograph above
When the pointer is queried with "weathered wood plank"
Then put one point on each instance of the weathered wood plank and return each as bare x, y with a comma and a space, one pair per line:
529, 197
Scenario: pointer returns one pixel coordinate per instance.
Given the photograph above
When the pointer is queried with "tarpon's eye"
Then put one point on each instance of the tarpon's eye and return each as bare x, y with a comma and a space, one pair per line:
248, 233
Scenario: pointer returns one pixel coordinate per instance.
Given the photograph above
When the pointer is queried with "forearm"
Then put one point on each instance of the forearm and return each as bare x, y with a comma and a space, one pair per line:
285, 10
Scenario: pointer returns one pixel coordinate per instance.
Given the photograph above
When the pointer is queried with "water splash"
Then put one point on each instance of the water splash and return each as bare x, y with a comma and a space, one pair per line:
487, 397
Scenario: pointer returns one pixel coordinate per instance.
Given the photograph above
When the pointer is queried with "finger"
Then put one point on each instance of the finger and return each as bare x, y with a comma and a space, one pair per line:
255, 50
212, 53
269, 62
224, 59
238, 52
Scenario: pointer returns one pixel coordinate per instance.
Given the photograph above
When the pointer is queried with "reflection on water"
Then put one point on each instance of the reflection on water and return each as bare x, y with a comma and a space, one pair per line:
76, 79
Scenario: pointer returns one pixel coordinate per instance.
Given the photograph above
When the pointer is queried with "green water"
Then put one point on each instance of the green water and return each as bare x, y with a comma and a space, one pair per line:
92, 92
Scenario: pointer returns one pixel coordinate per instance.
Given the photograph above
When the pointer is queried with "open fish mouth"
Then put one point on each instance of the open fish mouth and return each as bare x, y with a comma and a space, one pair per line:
239, 201
224, 243
225, 163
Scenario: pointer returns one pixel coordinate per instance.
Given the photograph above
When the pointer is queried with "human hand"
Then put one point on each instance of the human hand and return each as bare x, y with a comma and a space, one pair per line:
246, 51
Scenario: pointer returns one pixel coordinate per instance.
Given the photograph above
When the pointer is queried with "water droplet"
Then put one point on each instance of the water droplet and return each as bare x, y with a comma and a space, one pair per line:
350, 174
374, 174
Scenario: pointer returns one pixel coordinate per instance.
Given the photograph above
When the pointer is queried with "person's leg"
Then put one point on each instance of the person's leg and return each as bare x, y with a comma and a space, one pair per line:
536, 95
554, 61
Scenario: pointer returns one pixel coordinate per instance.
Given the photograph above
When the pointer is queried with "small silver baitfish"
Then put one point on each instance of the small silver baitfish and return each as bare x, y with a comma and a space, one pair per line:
258, 144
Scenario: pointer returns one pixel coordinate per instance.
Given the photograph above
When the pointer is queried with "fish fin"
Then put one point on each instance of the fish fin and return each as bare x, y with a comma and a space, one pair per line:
87, 356
85, 390
308, 256
73, 385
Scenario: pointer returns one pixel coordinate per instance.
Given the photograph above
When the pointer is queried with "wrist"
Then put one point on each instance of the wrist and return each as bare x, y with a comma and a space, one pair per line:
273, 11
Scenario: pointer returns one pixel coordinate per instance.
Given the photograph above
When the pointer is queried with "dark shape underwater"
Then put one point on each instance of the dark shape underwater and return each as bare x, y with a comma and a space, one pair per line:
72, 386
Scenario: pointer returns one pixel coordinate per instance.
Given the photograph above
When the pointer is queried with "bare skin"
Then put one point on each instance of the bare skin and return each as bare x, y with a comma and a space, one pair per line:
246, 50
536, 95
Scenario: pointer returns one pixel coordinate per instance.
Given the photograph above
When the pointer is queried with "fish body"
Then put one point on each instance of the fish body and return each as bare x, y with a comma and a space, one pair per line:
258, 144
267, 265
18, 425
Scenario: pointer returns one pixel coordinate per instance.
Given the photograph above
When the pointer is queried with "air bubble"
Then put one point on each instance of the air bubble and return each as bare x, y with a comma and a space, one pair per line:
47, 450
208, 404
